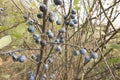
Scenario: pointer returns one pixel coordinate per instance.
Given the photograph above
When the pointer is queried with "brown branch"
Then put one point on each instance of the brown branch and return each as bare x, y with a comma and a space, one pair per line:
43, 37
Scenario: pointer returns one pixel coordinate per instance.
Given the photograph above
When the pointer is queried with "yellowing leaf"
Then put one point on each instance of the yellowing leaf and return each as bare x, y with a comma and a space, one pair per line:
5, 41
57, 27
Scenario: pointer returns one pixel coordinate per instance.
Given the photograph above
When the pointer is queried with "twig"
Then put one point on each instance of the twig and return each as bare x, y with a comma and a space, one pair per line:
98, 61
105, 10
106, 15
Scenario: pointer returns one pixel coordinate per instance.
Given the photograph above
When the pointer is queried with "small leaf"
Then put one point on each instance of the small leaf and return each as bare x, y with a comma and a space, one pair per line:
5, 41
88, 9
76, 4
3, 27
57, 27
17, 35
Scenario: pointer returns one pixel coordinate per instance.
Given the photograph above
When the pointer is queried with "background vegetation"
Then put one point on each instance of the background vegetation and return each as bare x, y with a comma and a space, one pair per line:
96, 31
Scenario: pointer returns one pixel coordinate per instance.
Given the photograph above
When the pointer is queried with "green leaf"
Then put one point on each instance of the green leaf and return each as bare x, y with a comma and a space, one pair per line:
3, 27
115, 46
76, 4
5, 41
88, 9
18, 31
17, 35
57, 27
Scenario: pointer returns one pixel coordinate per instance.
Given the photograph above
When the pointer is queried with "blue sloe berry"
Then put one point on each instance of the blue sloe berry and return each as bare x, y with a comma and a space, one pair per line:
83, 51
58, 2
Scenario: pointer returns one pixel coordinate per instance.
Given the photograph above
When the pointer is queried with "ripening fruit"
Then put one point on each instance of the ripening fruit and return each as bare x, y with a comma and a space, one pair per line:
65, 16
43, 77
50, 60
52, 43
40, 15
35, 36
62, 30
31, 28
67, 22
50, 35
15, 57
49, 31
87, 59
57, 40
46, 66
58, 48
76, 53
58, 22
51, 13
22, 58
43, 7
43, 42
75, 21
73, 11
94, 55
61, 40
61, 36
30, 21
38, 57
83, 51
51, 19
58, 2
38, 41
31, 75
33, 57
72, 16
71, 23
25, 17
